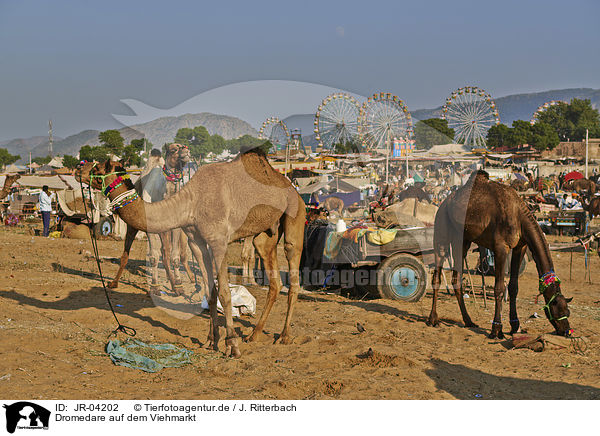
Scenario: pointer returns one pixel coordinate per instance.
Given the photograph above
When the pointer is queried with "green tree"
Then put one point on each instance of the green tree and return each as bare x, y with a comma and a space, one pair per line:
131, 156
98, 153
112, 141
520, 133
197, 139
348, 147
243, 142
571, 120
41, 160
497, 135
70, 162
6, 158
433, 131
543, 136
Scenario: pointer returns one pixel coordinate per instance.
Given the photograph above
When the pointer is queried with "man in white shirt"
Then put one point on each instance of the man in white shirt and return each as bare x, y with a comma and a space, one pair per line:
46, 208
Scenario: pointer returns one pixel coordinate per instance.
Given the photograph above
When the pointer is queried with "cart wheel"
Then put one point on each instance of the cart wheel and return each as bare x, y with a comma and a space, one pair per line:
402, 277
104, 227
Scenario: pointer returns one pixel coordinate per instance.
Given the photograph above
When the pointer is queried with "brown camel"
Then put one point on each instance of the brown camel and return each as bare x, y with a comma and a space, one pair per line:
8, 182
413, 192
579, 185
492, 215
155, 184
222, 203
331, 203
593, 207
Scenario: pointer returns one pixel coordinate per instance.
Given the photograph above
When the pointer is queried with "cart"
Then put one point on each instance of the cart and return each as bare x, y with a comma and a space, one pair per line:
72, 209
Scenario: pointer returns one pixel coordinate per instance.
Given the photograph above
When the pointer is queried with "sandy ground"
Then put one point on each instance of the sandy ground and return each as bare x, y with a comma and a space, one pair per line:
55, 323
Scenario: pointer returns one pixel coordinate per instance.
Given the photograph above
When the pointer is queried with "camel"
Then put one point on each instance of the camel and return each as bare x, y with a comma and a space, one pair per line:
154, 185
8, 182
579, 185
413, 192
332, 203
222, 203
493, 216
593, 207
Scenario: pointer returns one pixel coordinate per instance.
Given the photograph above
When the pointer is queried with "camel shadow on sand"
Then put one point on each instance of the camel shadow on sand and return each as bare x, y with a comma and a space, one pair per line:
466, 383
124, 304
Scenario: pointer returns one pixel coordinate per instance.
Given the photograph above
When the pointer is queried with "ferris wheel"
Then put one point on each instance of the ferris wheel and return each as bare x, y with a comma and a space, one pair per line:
336, 120
471, 112
542, 108
275, 131
382, 118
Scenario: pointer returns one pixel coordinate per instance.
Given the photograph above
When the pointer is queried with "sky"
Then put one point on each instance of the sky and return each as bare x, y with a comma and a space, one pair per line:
74, 61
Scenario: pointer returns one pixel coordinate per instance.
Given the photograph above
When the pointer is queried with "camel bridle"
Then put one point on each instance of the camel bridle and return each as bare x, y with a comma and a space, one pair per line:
545, 281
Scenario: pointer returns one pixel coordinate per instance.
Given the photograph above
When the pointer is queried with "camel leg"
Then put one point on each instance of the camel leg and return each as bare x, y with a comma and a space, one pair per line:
231, 341
500, 255
129, 238
293, 233
183, 243
458, 261
165, 239
266, 246
175, 256
153, 256
513, 286
435, 283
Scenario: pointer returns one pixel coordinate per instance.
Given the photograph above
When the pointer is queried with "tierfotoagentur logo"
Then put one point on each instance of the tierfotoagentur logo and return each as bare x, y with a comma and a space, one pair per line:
26, 416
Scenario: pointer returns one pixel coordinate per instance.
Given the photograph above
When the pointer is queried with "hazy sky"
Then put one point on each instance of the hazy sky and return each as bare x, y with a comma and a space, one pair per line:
73, 61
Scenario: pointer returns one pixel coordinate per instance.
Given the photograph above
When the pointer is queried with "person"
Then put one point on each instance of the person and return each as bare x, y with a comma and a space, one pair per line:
46, 208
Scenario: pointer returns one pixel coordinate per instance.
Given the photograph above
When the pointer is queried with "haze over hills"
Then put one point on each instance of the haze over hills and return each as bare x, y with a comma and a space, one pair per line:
161, 130
158, 132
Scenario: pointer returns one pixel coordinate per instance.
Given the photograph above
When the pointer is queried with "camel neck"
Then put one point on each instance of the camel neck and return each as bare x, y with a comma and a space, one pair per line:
536, 241
155, 217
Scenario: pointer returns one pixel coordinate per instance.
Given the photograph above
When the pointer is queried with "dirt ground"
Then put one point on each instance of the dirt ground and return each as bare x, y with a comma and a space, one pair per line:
55, 323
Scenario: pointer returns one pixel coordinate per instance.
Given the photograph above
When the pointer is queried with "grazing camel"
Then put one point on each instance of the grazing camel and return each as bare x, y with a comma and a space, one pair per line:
222, 203
332, 203
493, 216
8, 182
154, 185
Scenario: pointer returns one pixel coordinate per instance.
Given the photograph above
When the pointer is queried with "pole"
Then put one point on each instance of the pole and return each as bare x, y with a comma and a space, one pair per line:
586, 153
50, 138
406, 151
387, 156
287, 150
30, 163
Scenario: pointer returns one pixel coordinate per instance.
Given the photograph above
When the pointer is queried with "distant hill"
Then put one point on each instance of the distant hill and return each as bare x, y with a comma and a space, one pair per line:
164, 129
158, 132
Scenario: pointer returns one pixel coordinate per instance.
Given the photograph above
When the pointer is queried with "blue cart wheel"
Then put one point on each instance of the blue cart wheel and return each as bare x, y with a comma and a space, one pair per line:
104, 227
402, 277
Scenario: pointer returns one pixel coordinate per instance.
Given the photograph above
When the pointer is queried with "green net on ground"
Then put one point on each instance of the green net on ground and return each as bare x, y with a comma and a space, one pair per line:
136, 354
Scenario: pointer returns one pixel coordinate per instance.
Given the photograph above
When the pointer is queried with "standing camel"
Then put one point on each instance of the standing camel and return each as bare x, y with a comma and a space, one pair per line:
493, 216
154, 185
222, 203
8, 182
331, 203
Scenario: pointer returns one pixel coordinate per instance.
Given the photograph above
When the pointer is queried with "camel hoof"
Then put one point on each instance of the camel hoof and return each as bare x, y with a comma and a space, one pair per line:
284, 340
432, 322
256, 336
231, 349
471, 324
113, 285
154, 291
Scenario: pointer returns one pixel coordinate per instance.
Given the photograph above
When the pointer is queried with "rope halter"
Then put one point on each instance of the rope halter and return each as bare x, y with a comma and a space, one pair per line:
545, 281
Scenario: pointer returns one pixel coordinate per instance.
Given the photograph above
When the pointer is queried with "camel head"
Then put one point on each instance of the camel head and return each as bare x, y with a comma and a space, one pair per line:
100, 174
177, 155
556, 309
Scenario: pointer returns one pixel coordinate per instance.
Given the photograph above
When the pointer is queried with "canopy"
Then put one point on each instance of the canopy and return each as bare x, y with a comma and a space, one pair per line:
573, 175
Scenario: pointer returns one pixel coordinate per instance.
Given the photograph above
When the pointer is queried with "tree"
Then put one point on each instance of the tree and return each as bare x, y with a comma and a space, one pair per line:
433, 131
348, 147
41, 160
6, 158
543, 136
243, 142
520, 133
197, 139
497, 135
131, 156
112, 141
570, 120
70, 162
98, 153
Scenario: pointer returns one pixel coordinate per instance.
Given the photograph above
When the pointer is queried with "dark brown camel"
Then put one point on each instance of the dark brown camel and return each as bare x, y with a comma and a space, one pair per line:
413, 192
493, 216
222, 203
593, 207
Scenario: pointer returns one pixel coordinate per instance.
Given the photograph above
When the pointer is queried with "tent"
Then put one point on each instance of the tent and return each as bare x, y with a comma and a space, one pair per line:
573, 175
12, 168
